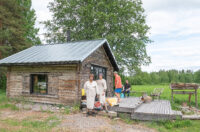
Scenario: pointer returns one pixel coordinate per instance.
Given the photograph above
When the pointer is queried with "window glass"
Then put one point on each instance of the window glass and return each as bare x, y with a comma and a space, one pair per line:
39, 84
96, 70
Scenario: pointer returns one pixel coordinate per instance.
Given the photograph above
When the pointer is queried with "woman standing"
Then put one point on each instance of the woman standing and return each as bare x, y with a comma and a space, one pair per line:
91, 91
101, 83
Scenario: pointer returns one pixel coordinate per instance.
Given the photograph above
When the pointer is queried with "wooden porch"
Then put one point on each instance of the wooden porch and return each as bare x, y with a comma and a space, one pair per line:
155, 110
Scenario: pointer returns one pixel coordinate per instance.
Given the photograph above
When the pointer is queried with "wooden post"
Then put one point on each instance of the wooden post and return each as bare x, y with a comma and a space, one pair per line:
196, 98
190, 95
172, 96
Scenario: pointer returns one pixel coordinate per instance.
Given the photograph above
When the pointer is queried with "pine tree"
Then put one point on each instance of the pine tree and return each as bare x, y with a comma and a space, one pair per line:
17, 30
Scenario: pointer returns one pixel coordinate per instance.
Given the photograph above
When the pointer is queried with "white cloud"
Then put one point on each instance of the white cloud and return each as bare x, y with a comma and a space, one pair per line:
170, 5
42, 14
175, 30
174, 54
168, 16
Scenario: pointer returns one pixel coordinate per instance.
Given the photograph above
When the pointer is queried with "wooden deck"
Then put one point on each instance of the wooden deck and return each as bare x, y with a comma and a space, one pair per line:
155, 110
127, 105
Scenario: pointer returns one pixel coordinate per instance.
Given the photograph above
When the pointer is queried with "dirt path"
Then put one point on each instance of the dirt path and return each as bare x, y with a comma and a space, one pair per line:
79, 122
71, 123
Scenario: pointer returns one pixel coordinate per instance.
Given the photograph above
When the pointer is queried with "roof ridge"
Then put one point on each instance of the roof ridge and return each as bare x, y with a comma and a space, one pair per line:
71, 42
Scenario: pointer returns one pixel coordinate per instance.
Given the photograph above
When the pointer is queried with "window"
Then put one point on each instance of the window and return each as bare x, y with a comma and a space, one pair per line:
39, 83
96, 70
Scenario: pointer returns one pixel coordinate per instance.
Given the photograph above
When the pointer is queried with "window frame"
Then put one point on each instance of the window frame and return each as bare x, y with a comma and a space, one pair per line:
102, 67
32, 83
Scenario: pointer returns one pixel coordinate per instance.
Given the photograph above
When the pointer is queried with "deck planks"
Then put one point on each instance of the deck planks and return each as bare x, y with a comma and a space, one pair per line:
127, 105
155, 110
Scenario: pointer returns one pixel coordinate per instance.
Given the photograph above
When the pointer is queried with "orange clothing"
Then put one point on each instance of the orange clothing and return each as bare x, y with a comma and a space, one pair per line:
118, 82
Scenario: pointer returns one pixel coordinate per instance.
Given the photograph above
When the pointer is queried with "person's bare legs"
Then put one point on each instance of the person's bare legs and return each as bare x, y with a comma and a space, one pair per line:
106, 108
118, 96
89, 112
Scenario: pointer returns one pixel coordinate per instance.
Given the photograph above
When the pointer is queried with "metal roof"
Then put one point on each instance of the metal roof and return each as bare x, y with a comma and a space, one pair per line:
71, 52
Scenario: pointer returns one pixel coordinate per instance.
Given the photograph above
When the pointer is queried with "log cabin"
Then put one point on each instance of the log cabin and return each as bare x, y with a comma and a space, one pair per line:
56, 73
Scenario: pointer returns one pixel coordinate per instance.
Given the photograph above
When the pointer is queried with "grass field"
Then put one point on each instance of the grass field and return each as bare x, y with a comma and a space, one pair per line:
50, 120
178, 99
171, 126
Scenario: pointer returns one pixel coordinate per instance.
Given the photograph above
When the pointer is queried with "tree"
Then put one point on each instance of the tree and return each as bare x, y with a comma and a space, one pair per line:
189, 76
197, 76
17, 30
163, 77
173, 76
30, 18
121, 22
155, 78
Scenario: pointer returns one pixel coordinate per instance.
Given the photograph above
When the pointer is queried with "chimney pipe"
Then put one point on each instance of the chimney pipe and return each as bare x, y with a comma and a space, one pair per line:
68, 35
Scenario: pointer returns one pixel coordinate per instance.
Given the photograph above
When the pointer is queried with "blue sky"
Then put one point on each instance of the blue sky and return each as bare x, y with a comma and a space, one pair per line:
175, 31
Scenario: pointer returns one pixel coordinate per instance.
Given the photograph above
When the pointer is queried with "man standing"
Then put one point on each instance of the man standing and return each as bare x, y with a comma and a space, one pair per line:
91, 91
127, 88
101, 83
118, 85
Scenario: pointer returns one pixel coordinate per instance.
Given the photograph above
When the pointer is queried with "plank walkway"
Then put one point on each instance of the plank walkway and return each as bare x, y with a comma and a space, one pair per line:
155, 110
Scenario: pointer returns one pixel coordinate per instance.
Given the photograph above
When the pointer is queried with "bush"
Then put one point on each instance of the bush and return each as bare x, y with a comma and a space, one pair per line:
2, 80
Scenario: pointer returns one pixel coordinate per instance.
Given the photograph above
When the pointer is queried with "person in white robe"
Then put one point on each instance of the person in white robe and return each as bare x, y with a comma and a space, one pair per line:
102, 86
91, 91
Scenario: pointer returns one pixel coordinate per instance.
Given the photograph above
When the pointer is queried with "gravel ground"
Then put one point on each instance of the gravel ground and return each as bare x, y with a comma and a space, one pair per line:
81, 123
76, 122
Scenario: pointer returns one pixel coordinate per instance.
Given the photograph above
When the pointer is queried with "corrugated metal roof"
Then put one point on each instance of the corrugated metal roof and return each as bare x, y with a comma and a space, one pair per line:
70, 52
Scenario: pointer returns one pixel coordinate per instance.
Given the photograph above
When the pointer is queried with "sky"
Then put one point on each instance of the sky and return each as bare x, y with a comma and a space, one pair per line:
175, 32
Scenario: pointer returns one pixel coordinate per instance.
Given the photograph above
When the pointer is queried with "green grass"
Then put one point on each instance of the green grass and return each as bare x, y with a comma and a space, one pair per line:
67, 110
169, 126
5, 103
175, 126
33, 125
178, 99
27, 124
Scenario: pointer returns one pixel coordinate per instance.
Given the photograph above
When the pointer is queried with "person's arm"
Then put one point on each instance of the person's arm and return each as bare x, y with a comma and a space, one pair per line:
116, 82
105, 85
97, 89
123, 87
129, 87
85, 87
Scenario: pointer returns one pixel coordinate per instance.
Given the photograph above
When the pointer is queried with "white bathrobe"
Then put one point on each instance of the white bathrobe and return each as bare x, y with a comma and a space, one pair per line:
102, 88
91, 91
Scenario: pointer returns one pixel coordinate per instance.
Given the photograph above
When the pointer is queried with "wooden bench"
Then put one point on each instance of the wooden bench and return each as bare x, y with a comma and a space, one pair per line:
157, 92
185, 88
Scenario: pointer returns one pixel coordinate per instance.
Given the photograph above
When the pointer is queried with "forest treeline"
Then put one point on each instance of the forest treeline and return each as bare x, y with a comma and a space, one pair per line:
163, 77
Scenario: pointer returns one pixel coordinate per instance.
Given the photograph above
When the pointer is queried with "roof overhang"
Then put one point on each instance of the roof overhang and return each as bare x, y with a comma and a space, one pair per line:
26, 61
40, 63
